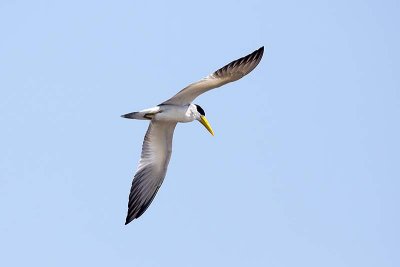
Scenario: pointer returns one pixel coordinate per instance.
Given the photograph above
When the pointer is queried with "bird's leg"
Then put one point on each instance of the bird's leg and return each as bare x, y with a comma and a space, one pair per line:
150, 115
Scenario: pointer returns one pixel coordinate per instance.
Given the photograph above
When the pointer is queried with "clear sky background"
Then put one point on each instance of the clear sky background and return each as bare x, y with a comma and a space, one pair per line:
303, 170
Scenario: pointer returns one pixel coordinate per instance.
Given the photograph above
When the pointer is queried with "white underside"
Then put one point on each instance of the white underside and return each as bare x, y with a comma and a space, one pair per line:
173, 113
166, 113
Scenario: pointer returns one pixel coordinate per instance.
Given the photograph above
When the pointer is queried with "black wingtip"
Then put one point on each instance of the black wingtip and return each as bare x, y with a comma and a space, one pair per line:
257, 55
128, 220
260, 50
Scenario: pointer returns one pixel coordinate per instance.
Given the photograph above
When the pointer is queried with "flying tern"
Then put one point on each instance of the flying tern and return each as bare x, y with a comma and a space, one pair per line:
157, 144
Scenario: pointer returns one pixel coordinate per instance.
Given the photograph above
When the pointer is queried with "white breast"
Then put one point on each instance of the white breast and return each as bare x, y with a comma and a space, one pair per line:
175, 113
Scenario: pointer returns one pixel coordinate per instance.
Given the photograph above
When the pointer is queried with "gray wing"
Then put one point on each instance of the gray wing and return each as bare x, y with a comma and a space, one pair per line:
153, 164
229, 73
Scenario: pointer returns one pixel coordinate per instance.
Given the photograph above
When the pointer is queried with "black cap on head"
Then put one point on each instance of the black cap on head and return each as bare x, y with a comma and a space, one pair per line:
200, 110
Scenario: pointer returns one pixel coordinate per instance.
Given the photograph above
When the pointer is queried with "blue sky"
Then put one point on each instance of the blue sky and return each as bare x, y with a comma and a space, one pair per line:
304, 167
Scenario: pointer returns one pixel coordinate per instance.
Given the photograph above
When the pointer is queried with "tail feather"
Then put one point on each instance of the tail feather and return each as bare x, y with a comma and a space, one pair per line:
145, 114
133, 115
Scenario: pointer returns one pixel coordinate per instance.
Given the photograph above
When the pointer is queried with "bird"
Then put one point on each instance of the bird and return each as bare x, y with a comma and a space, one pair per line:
157, 144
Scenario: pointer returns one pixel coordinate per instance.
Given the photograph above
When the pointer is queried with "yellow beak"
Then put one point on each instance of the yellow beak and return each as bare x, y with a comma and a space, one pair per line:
206, 124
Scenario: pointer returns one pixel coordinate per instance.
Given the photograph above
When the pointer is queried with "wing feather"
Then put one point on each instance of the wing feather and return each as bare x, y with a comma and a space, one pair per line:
153, 164
229, 73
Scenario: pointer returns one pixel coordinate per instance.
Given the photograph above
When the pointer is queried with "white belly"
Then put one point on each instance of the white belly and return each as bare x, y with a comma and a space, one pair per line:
174, 113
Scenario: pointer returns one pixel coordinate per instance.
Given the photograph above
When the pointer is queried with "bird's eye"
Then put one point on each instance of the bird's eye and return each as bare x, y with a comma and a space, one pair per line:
200, 110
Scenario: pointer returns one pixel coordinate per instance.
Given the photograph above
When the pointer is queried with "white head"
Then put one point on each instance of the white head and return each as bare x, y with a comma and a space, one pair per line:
200, 115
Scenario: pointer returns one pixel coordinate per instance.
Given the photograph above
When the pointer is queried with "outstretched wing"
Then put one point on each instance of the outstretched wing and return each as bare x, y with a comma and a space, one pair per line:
229, 73
153, 164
